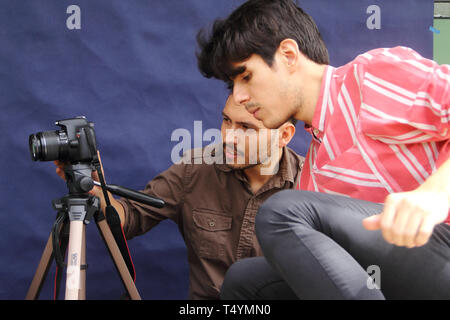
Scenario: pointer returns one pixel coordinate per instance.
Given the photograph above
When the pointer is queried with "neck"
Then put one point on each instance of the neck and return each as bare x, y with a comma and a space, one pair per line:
258, 175
311, 81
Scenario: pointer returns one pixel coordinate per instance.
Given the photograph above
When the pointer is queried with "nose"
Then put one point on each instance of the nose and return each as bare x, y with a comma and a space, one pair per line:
240, 94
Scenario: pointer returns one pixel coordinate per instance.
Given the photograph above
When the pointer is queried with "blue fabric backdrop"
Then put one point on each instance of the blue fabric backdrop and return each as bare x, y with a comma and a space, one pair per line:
131, 69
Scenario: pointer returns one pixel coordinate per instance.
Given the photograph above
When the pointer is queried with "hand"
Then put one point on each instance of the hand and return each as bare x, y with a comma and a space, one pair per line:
408, 218
96, 190
60, 169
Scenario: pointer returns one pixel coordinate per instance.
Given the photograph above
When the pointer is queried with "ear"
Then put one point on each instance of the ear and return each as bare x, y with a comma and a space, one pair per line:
289, 53
286, 133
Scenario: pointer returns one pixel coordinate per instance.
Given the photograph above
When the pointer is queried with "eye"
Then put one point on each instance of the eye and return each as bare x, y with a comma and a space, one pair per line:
247, 77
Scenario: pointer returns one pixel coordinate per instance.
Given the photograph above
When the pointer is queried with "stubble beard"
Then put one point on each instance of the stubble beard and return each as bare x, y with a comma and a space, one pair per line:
244, 166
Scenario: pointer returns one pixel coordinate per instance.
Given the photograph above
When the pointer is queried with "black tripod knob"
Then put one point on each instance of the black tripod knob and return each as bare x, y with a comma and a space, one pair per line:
86, 184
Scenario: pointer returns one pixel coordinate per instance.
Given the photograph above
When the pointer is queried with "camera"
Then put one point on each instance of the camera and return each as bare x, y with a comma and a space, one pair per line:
74, 143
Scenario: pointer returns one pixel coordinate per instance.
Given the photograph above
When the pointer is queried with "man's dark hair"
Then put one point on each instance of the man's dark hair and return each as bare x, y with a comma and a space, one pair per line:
257, 27
293, 121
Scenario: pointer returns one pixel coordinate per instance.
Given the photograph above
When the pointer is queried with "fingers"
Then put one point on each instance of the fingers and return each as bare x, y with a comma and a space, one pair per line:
95, 176
372, 222
425, 231
96, 191
60, 169
410, 230
408, 218
387, 217
398, 231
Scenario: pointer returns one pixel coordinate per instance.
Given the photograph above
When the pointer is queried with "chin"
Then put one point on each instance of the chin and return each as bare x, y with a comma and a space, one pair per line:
235, 166
240, 166
273, 124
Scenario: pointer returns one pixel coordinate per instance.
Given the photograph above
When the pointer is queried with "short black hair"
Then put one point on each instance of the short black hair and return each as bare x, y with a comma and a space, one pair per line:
257, 27
293, 121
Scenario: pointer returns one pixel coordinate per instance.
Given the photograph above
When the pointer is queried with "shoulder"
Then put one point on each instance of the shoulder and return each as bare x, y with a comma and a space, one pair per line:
398, 69
392, 62
384, 56
388, 55
203, 159
294, 158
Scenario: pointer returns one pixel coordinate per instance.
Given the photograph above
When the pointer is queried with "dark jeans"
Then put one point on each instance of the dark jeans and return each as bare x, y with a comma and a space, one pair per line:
316, 243
254, 279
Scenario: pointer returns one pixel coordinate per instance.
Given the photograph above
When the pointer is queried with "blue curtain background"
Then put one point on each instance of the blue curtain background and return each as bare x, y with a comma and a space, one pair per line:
131, 69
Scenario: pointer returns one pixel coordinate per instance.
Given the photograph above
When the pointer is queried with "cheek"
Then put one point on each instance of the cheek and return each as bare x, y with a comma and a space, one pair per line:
248, 142
273, 96
224, 130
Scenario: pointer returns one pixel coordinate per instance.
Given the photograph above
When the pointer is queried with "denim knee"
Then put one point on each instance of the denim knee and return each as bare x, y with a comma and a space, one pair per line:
234, 286
274, 212
283, 209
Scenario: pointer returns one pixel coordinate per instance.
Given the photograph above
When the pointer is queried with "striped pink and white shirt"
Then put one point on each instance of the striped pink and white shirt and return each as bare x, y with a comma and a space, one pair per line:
382, 125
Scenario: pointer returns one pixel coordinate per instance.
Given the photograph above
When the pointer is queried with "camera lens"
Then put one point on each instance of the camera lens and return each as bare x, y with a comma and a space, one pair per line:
48, 146
35, 147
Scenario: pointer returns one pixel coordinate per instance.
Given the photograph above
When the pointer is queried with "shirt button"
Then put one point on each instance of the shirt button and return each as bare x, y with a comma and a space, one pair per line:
212, 223
316, 132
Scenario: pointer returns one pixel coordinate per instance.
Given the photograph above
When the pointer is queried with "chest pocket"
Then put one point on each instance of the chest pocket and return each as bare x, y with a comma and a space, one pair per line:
211, 233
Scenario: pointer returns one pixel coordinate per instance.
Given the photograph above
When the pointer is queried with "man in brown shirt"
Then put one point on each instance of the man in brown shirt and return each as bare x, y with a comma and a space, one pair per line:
214, 205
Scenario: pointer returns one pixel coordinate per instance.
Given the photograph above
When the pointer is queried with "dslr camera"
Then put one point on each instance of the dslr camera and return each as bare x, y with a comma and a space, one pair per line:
74, 143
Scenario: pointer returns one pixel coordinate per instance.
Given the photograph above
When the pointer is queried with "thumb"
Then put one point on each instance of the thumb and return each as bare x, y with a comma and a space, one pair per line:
95, 176
372, 222
96, 191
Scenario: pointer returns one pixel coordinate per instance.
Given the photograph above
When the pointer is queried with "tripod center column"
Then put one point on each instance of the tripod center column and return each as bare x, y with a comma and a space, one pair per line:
73, 283
77, 213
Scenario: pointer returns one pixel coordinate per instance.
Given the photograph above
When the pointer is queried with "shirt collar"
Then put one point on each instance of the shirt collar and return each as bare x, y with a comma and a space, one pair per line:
318, 122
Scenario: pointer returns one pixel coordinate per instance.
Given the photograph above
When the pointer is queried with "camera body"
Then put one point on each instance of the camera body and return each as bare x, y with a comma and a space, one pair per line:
74, 143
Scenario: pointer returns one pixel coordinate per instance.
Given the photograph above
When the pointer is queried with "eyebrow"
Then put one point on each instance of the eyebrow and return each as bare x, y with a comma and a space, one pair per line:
234, 72
248, 124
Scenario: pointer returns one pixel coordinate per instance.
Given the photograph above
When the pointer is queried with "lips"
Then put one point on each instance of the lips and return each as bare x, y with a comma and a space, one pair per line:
255, 114
254, 110
230, 152
251, 107
230, 155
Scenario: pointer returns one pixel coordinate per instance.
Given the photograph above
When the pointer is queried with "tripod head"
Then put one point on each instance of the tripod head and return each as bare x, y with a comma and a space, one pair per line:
79, 180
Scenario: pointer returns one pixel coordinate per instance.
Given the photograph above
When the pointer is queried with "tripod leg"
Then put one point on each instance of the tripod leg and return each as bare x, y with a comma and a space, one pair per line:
41, 272
119, 262
64, 240
73, 280
83, 266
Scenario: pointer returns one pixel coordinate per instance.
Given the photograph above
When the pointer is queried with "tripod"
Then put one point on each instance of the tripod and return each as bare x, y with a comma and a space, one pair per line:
75, 211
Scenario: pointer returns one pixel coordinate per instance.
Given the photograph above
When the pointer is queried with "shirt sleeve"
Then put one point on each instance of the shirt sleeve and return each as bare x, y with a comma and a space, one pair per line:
405, 98
167, 186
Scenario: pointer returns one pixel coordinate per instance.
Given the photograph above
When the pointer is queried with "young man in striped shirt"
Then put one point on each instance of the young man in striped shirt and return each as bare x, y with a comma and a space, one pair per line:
375, 188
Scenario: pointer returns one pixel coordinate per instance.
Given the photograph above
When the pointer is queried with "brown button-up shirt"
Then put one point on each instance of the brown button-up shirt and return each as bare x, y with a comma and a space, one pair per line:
215, 210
